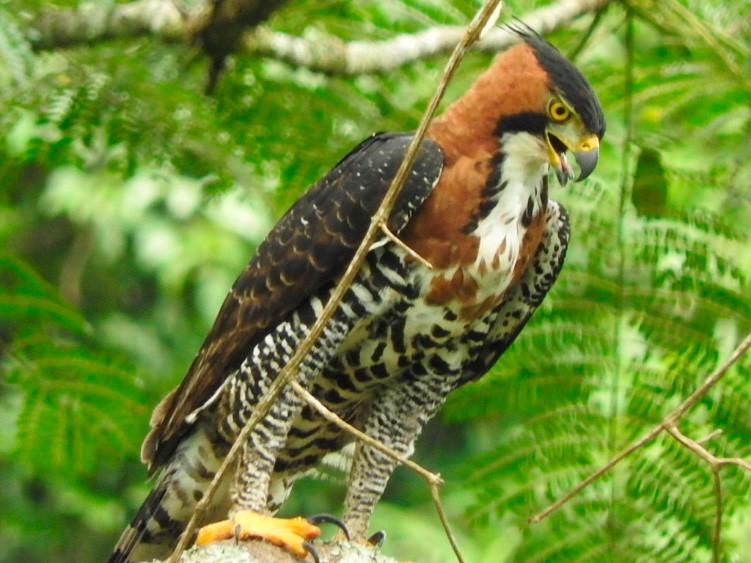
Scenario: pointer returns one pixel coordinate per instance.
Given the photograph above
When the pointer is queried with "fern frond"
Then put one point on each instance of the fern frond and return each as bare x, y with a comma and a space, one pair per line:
79, 403
15, 51
25, 298
555, 390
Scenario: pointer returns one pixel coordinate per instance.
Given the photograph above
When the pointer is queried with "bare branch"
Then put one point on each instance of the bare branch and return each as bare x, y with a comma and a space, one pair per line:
330, 55
667, 423
92, 22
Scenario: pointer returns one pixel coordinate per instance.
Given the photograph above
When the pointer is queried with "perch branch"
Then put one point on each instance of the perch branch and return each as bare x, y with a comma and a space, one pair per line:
287, 373
668, 422
93, 22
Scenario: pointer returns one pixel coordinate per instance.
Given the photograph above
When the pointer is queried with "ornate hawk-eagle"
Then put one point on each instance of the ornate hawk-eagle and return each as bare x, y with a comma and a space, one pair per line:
475, 206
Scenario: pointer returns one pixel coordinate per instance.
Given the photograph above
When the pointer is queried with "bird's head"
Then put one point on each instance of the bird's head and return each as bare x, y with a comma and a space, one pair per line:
534, 89
573, 116
557, 104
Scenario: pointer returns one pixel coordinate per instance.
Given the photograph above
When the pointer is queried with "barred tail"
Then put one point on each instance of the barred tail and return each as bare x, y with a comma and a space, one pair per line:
147, 535
156, 528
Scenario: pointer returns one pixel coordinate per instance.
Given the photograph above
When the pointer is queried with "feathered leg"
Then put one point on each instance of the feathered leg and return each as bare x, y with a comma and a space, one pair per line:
396, 418
251, 493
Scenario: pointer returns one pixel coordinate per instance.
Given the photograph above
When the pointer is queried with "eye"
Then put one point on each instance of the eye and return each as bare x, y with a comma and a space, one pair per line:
558, 112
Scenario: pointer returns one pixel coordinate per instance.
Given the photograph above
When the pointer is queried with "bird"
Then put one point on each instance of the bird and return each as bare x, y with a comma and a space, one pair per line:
474, 208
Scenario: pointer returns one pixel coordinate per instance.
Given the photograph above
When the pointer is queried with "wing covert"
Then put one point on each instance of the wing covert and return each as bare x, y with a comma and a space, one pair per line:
307, 248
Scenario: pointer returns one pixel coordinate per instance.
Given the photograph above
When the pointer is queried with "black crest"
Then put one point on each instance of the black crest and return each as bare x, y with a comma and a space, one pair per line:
564, 77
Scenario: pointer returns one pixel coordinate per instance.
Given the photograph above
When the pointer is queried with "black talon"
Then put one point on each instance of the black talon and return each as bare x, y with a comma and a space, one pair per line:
312, 550
377, 539
328, 519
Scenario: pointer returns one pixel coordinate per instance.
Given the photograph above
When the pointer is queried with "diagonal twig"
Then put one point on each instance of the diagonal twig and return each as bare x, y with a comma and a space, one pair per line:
668, 422
400, 243
326, 413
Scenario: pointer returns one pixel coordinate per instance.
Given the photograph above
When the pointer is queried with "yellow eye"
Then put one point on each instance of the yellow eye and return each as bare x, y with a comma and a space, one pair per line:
558, 112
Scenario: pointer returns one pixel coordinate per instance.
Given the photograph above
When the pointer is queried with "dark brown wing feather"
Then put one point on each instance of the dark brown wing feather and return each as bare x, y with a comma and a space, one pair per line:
309, 246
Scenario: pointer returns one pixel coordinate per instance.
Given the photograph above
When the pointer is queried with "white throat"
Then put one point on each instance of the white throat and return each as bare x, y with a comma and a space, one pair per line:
523, 169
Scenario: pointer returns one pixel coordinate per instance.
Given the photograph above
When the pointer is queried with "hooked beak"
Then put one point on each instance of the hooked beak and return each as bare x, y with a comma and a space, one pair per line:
586, 153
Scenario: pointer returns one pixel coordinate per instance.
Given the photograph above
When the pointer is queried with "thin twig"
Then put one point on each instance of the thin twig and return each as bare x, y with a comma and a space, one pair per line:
435, 492
433, 479
534, 519
287, 373
715, 464
400, 243
668, 421
717, 486
703, 453
709, 437
326, 413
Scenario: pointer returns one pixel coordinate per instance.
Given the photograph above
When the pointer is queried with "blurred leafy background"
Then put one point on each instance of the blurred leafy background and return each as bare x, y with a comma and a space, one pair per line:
129, 201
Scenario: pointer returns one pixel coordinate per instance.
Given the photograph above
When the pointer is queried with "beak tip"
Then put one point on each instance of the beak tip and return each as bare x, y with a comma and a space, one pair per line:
587, 161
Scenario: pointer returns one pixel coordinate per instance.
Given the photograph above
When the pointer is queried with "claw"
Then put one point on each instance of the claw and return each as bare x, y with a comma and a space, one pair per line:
377, 539
317, 519
290, 533
312, 551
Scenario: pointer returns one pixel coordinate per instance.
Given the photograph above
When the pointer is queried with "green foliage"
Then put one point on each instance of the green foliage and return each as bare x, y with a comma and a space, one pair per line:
71, 390
129, 201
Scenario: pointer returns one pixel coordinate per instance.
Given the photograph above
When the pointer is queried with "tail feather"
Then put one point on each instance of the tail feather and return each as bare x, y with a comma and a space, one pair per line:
141, 530
159, 523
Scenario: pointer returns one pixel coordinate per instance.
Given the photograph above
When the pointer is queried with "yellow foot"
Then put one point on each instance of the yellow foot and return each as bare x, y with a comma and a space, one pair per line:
291, 533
